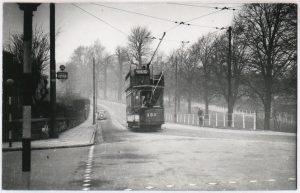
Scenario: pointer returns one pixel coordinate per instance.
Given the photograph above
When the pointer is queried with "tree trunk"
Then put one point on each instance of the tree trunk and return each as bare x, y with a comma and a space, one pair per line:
229, 113
206, 108
178, 103
189, 105
205, 97
267, 104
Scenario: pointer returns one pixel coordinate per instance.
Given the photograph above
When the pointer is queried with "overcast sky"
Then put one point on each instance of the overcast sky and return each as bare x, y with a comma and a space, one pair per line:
79, 28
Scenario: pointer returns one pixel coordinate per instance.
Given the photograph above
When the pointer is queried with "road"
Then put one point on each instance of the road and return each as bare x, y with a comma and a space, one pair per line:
175, 158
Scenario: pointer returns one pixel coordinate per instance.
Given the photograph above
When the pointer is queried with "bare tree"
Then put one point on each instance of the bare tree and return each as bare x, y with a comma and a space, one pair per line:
204, 51
189, 72
269, 31
107, 62
138, 44
239, 60
80, 64
40, 58
122, 56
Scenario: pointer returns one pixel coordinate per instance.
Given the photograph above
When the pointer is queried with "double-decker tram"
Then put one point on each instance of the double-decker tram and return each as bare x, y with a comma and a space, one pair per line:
144, 99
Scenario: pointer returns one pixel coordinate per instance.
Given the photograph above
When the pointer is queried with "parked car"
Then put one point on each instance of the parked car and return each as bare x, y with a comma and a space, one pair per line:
101, 115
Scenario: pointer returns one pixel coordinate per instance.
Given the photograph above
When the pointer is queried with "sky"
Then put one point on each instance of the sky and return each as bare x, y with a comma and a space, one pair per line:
76, 27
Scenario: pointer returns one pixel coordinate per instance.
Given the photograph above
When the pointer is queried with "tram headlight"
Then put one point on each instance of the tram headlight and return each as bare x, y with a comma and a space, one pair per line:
137, 117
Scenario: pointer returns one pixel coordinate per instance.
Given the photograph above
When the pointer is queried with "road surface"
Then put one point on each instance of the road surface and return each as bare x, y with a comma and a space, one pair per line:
175, 158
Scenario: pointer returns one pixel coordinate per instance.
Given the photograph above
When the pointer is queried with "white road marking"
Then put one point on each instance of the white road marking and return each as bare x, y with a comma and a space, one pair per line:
127, 189
271, 180
86, 176
212, 183
149, 187
169, 185
192, 184
292, 179
232, 182
253, 181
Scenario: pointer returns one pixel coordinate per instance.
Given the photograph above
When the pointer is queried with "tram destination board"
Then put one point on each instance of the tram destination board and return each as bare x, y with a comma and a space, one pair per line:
62, 75
141, 71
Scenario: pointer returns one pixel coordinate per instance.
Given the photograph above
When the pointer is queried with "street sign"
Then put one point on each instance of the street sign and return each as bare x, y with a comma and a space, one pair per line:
62, 67
62, 75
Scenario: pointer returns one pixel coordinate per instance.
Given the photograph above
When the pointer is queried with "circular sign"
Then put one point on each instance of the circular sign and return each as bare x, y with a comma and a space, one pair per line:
62, 67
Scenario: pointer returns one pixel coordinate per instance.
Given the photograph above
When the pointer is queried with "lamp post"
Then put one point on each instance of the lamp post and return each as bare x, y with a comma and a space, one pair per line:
28, 9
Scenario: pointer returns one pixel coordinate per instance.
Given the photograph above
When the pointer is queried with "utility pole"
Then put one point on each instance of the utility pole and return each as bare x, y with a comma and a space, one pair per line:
230, 108
53, 130
28, 9
94, 93
181, 63
175, 113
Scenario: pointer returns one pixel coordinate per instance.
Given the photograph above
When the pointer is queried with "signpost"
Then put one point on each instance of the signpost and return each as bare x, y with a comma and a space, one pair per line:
62, 74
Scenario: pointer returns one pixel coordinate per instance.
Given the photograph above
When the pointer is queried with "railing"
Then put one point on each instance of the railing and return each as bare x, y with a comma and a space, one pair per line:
218, 120
247, 120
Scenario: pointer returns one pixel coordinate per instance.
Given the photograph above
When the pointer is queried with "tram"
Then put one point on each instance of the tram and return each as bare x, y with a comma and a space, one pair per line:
144, 99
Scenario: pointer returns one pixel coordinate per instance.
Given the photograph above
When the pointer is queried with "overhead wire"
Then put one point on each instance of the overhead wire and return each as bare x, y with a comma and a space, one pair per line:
190, 5
150, 16
173, 27
204, 15
98, 18
133, 12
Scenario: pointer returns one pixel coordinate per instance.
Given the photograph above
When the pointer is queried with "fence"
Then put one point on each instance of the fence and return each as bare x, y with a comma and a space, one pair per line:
282, 122
218, 120
248, 120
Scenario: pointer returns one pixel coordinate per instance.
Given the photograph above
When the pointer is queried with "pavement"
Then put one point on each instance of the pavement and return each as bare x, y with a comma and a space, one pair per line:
79, 136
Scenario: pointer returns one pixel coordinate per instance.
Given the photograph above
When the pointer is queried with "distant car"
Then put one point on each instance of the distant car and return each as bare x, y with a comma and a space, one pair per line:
101, 115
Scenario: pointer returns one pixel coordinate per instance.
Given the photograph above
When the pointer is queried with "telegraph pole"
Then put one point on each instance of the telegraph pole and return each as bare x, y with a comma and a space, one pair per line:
230, 109
94, 93
53, 130
175, 113
28, 9
181, 63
